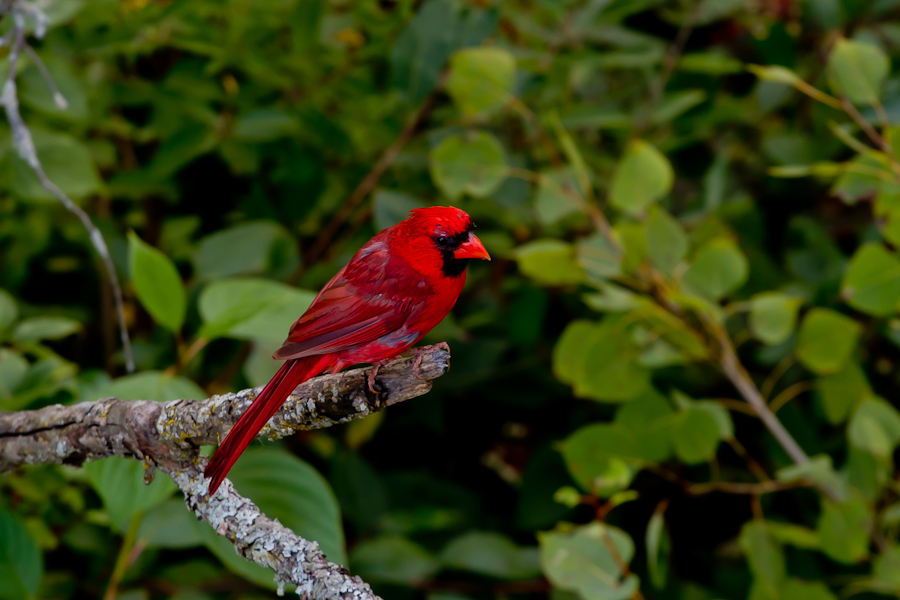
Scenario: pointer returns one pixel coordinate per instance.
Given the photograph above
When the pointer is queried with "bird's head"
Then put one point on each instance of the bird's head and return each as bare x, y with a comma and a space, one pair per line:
444, 236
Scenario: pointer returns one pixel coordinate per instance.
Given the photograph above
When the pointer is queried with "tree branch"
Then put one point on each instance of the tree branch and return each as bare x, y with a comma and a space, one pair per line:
168, 435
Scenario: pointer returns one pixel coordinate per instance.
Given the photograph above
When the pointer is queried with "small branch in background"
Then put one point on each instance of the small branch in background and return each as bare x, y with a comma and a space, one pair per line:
24, 144
123, 560
877, 139
753, 489
735, 372
365, 186
789, 394
751, 462
167, 436
669, 63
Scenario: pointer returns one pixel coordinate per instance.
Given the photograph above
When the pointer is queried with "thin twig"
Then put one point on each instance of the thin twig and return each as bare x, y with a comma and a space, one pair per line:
122, 560
739, 377
365, 186
58, 98
755, 489
751, 462
788, 394
873, 135
669, 63
777, 373
24, 144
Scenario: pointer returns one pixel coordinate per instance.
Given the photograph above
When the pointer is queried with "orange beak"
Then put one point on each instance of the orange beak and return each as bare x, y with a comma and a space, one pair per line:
472, 248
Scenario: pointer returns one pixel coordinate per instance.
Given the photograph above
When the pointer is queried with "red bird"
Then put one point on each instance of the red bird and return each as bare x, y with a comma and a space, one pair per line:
394, 290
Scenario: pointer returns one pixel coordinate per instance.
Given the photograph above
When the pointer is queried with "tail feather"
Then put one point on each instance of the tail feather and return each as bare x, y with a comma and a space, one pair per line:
270, 399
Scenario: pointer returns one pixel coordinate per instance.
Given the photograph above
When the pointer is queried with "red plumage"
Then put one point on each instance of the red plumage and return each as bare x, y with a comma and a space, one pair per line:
394, 290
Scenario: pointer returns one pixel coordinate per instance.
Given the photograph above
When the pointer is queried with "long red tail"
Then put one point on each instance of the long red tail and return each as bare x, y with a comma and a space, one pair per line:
289, 376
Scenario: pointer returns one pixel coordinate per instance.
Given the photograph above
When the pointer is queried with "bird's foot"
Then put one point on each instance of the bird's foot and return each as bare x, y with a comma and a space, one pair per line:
420, 353
372, 382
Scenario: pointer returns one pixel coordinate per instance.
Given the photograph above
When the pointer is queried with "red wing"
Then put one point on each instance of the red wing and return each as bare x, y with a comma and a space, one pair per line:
339, 319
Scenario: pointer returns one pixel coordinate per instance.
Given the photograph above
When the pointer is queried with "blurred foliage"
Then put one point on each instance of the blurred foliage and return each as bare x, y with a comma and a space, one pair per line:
657, 181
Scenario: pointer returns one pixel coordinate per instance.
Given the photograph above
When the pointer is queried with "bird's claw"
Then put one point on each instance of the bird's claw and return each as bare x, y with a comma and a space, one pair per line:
420, 353
371, 379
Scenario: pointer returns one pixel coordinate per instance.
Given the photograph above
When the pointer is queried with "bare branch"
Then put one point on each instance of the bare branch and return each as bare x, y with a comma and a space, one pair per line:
24, 144
168, 435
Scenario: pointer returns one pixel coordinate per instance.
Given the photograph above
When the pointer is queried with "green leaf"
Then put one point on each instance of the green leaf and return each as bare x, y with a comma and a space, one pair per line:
857, 70
820, 470
840, 392
558, 195
844, 530
826, 340
480, 79
21, 562
549, 261
695, 436
569, 349
673, 105
658, 544
393, 560
634, 242
609, 370
795, 535
264, 125
775, 73
35, 92
66, 161
797, 589
872, 280
580, 561
649, 418
290, 490
179, 150
13, 368
643, 177
251, 308
709, 63
765, 556
149, 385
9, 311
718, 269
599, 258
866, 472
169, 525
667, 243
473, 163
859, 178
438, 28
120, 483
36, 329
389, 207
157, 284
357, 485
491, 554
887, 567
875, 427
262, 247
595, 452
773, 317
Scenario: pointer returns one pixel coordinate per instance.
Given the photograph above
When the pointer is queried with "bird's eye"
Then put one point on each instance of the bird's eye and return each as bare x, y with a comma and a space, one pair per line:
442, 241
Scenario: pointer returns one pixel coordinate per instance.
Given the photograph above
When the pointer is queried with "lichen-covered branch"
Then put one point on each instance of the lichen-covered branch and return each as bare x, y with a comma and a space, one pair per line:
167, 436
18, 11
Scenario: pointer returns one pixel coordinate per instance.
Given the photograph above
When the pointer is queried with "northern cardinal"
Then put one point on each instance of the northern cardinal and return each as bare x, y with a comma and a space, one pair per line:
394, 290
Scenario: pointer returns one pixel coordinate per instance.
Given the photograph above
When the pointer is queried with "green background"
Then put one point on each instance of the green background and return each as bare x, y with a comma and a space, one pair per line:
659, 183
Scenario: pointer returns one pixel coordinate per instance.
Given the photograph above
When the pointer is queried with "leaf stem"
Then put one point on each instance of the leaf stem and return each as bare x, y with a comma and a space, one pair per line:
124, 559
